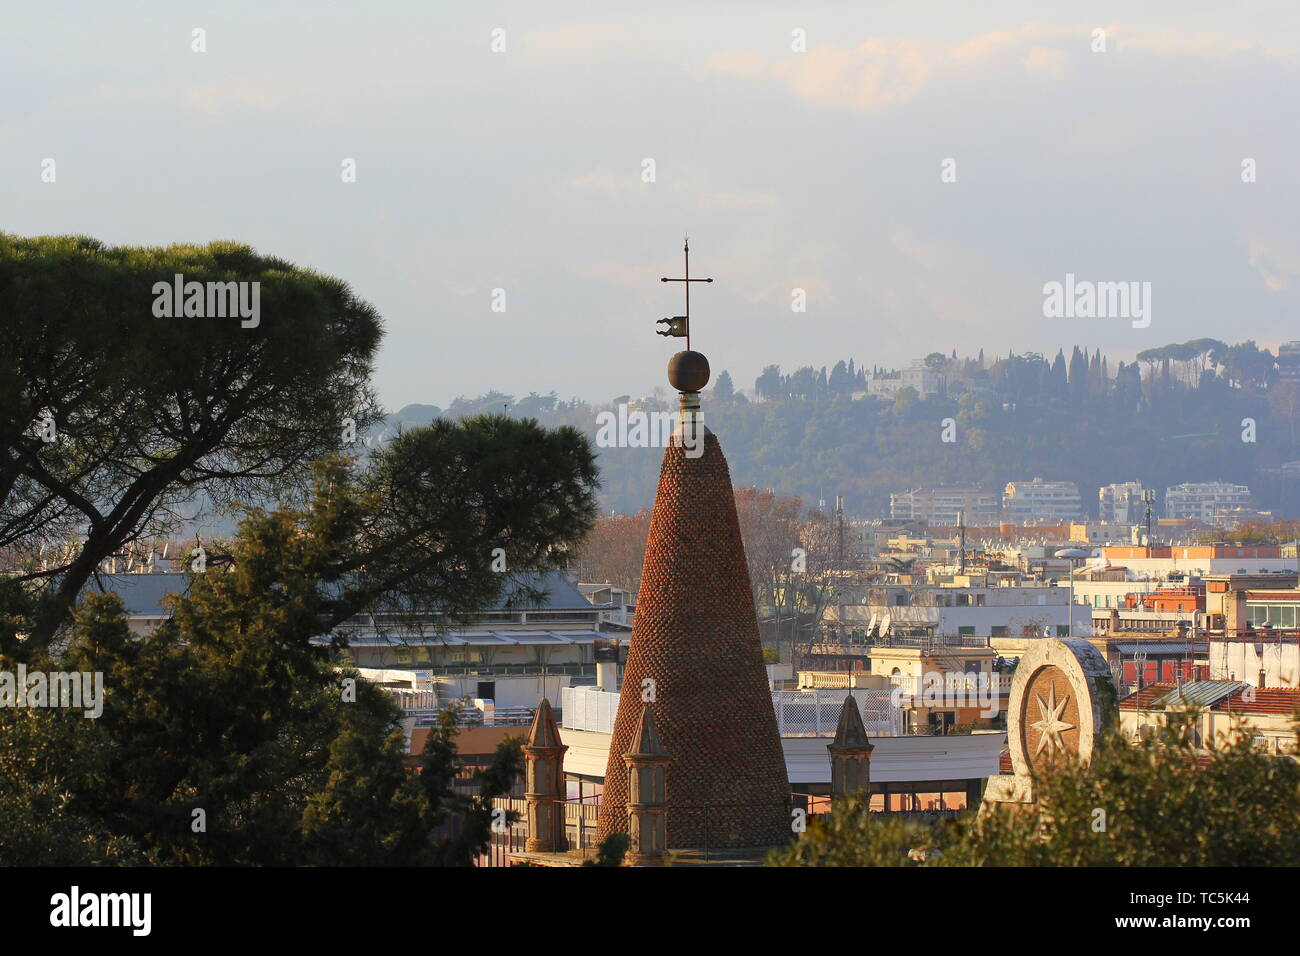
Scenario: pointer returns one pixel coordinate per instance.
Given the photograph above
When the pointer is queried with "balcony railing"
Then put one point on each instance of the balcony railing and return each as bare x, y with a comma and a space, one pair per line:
505, 670
932, 641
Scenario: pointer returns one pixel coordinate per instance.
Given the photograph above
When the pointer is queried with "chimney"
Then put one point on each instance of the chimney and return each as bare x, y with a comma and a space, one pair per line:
1235, 616
544, 789
850, 753
647, 796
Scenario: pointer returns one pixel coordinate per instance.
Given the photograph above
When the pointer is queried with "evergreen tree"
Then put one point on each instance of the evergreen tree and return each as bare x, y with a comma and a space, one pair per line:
1078, 374
232, 736
770, 385
153, 410
841, 382
1057, 380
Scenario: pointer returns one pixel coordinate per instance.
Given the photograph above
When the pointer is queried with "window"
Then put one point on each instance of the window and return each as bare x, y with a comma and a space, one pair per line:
999, 630
966, 629
1062, 630
486, 690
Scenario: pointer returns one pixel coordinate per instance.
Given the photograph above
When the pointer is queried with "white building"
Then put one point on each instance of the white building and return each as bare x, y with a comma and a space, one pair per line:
1121, 503
617, 605
941, 506
1006, 616
919, 376
1200, 501
1288, 361
1027, 502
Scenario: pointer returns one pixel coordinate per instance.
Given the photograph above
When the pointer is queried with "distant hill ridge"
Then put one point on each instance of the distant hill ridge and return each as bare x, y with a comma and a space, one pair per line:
1175, 415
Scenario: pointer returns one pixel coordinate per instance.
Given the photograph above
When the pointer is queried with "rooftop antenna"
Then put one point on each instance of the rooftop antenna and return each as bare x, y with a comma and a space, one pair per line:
839, 517
1148, 498
961, 550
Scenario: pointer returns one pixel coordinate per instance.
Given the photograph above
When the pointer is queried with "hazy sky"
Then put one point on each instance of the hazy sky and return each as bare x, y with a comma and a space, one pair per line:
820, 170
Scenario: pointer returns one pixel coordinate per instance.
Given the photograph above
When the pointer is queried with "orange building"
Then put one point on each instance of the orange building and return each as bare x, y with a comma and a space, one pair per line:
1191, 551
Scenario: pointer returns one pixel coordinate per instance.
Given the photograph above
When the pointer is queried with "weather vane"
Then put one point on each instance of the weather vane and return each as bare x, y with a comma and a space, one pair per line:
680, 325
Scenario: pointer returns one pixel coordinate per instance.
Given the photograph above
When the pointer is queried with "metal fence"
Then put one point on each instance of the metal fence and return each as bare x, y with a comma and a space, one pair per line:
588, 708
815, 713
580, 820
799, 713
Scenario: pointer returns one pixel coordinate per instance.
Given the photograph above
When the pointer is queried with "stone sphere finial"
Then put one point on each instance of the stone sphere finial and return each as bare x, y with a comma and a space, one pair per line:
688, 371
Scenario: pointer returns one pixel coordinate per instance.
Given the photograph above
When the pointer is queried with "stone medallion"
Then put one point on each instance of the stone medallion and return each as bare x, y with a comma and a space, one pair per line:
1050, 717
1061, 698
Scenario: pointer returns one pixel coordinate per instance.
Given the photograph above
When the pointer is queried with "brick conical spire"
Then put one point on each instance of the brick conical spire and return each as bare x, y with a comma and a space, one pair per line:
697, 662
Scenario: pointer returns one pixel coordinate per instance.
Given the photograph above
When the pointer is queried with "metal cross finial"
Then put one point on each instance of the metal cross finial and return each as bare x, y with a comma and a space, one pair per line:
680, 325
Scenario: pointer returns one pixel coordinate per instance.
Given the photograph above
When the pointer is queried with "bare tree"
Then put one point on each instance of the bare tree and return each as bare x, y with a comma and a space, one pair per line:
794, 562
614, 550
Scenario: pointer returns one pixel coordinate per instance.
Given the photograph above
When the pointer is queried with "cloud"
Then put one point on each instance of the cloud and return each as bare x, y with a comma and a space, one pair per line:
596, 41
1004, 43
610, 184
732, 200
1276, 263
873, 76
882, 74
1043, 59
237, 96
1202, 44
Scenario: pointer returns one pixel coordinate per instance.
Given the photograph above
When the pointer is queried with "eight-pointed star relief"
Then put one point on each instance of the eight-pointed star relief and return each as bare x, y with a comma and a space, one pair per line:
1050, 726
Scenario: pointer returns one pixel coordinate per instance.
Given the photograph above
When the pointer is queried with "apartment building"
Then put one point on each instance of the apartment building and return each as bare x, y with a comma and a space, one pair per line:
1202, 501
943, 505
1288, 361
1026, 502
1121, 503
